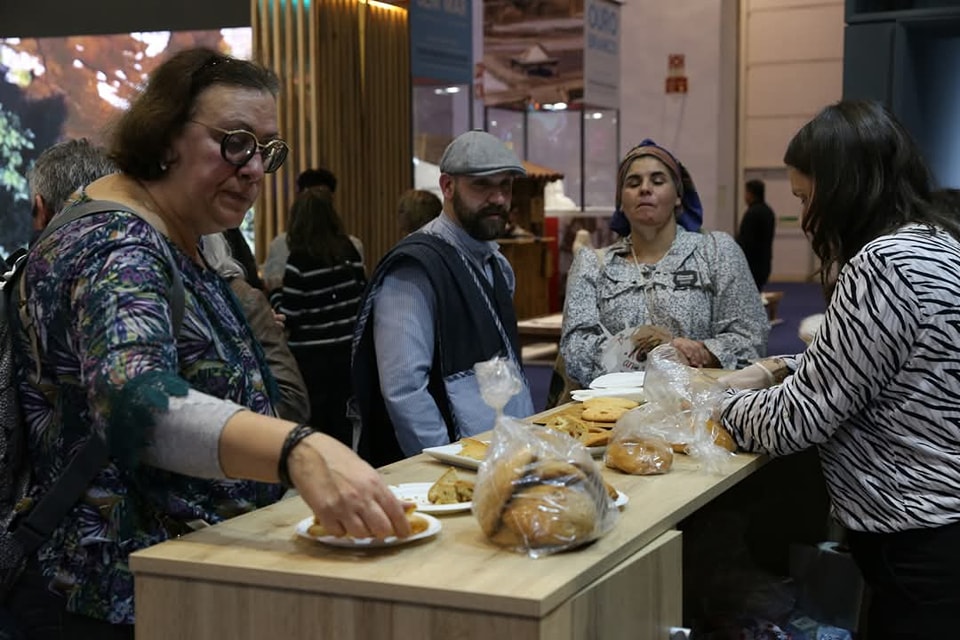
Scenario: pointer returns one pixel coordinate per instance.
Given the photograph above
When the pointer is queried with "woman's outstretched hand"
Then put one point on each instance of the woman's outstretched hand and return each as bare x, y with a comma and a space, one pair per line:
347, 495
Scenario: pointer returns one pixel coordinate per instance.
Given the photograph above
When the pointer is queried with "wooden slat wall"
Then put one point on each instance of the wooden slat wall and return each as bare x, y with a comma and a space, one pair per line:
344, 68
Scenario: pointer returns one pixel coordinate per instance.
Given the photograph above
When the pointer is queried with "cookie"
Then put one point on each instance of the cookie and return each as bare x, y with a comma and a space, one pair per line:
603, 413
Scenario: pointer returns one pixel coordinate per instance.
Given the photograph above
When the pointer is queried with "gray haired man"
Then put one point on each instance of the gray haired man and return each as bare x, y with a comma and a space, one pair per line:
61, 170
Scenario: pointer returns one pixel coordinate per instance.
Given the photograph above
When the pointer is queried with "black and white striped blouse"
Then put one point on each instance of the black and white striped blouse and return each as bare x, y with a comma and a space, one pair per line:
878, 389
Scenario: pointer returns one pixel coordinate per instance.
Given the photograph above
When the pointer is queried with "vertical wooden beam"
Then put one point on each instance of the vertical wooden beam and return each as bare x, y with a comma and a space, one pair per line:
345, 105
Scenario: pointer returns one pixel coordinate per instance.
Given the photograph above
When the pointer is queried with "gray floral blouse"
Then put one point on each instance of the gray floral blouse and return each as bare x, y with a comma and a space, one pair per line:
701, 289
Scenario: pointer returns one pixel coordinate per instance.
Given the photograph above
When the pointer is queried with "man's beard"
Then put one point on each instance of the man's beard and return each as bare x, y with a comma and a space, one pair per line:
484, 224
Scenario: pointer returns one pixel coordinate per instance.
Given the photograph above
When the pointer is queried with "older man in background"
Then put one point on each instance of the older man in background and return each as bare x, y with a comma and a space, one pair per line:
438, 303
55, 175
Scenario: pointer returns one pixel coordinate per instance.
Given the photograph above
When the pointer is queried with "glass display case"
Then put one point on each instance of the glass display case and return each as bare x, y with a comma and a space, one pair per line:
580, 142
440, 113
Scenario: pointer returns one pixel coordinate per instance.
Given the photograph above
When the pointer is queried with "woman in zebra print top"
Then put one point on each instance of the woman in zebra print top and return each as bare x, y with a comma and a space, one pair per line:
878, 389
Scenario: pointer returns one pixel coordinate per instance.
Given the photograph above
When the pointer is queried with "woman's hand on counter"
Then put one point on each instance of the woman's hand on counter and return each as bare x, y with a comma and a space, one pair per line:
695, 352
347, 495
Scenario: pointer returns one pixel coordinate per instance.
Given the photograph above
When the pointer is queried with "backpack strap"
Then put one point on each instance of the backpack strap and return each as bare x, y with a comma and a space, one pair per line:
39, 523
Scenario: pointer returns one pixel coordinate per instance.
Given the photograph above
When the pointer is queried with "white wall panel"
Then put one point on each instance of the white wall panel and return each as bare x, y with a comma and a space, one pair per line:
808, 33
792, 89
766, 139
753, 5
685, 124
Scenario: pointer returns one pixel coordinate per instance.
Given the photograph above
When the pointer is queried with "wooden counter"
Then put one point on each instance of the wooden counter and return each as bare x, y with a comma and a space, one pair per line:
252, 578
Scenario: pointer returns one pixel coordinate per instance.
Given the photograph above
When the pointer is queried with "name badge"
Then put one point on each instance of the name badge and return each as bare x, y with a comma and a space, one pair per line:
685, 279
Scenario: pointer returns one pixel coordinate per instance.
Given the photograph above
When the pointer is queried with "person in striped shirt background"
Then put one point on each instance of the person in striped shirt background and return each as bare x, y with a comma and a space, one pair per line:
878, 389
323, 282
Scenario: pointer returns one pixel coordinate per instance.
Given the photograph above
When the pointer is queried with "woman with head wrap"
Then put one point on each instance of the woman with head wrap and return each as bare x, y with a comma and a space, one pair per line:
664, 281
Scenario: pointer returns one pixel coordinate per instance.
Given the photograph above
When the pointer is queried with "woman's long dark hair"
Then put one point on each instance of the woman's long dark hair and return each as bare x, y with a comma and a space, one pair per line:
869, 178
316, 229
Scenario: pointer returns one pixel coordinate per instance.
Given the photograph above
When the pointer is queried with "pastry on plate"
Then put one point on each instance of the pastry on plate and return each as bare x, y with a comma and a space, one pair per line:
473, 448
417, 524
450, 488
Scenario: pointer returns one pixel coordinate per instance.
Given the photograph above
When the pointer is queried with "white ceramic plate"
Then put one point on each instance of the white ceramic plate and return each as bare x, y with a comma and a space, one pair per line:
622, 500
368, 543
416, 492
630, 393
619, 380
450, 453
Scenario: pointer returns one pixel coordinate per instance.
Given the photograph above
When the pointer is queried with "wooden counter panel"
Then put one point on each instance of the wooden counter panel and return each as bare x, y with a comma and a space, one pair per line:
458, 569
639, 599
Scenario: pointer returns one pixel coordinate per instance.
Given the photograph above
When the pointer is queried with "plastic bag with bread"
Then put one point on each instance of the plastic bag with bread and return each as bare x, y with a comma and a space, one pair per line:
539, 491
681, 401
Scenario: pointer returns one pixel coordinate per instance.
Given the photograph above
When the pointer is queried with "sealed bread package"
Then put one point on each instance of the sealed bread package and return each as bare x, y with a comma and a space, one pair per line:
680, 404
539, 491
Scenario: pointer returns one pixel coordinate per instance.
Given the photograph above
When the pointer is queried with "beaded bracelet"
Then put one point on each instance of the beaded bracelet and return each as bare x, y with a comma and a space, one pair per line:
293, 438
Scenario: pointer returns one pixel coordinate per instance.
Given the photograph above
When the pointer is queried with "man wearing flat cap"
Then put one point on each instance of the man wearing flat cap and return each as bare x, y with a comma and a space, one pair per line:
438, 303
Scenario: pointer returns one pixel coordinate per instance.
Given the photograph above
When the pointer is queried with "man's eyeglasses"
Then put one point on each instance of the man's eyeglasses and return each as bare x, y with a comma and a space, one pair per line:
239, 145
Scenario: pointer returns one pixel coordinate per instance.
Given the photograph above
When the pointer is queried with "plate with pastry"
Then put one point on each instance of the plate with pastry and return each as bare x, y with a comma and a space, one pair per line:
421, 525
449, 494
467, 453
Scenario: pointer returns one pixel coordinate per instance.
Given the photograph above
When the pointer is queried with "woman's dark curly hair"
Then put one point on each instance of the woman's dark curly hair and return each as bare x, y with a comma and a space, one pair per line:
869, 179
142, 137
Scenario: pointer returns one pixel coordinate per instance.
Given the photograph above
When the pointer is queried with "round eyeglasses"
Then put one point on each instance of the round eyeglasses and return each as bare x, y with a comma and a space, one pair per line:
239, 145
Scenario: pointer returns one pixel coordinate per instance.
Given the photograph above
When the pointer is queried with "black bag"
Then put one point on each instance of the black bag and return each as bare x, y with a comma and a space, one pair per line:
25, 526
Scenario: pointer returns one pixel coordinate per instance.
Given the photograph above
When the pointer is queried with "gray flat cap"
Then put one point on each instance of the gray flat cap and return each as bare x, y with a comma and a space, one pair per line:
477, 153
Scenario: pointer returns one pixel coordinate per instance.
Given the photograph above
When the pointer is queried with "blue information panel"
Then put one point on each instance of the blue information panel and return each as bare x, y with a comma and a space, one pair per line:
441, 40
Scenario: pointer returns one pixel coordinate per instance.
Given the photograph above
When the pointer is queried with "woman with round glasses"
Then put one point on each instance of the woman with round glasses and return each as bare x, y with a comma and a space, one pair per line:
186, 408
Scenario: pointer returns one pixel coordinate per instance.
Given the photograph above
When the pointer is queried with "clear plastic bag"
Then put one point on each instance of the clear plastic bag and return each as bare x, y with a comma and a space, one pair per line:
538, 491
619, 353
680, 405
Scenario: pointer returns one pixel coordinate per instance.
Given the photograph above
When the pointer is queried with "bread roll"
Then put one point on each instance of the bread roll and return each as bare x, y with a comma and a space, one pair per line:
489, 504
721, 438
546, 515
639, 456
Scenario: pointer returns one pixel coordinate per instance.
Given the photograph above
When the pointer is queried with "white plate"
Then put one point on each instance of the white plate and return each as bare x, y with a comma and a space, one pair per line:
450, 453
619, 380
432, 529
622, 500
416, 492
630, 393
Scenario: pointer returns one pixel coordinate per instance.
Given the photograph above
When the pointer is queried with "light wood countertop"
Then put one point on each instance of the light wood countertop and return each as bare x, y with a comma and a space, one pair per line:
458, 568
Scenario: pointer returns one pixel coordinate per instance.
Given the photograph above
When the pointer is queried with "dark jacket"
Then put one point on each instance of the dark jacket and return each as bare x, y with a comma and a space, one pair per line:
756, 239
463, 336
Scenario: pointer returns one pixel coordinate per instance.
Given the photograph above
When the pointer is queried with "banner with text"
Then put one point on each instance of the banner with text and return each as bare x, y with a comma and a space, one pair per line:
601, 63
441, 41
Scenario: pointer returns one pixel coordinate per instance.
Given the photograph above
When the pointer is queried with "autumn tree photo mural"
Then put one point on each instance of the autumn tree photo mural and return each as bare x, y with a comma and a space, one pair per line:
52, 89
